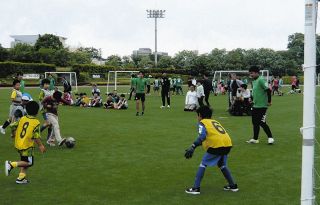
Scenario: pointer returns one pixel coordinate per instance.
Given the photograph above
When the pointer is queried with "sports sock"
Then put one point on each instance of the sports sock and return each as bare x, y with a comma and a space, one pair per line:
199, 176
6, 124
226, 173
21, 176
14, 164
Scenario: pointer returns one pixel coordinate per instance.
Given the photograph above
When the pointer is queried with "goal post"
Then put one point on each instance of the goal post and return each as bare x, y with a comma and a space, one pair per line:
70, 76
115, 77
218, 75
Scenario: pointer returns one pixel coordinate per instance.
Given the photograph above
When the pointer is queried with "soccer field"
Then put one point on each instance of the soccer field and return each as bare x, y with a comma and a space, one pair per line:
125, 159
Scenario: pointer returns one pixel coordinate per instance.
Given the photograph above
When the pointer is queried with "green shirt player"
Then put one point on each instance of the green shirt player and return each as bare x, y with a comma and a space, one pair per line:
140, 87
261, 94
22, 84
52, 82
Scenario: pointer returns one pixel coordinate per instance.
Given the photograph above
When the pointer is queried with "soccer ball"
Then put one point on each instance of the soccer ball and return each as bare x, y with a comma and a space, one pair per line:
70, 142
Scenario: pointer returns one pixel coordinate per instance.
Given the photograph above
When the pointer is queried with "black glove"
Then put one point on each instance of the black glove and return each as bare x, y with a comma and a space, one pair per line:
189, 152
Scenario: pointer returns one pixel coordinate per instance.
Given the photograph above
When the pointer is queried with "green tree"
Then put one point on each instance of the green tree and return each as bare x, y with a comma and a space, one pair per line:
145, 62
4, 54
48, 41
127, 62
165, 62
235, 59
23, 53
185, 59
217, 59
114, 60
79, 57
93, 52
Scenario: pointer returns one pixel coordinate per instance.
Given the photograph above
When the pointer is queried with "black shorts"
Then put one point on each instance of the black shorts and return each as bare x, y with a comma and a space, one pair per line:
259, 115
140, 96
156, 88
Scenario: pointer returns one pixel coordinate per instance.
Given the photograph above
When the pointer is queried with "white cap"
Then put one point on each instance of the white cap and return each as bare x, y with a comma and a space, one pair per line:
25, 97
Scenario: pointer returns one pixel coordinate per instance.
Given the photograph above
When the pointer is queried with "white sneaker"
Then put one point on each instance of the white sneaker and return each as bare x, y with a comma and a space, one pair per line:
3, 131
162, 107
270, 141
253, 141
168, 106
63, 140
51, 143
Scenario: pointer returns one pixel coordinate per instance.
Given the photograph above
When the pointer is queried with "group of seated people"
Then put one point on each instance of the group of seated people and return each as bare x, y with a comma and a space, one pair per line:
113, 101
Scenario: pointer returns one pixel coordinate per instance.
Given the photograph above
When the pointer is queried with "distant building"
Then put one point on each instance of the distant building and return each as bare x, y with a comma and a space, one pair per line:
31, 39
162, 53
97, 61
142, 52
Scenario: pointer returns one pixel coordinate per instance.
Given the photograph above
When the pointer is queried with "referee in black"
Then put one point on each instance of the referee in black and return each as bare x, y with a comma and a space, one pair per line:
207, 87
165, 90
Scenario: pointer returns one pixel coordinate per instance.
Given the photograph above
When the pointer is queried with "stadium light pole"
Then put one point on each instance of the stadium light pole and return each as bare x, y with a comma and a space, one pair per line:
155, 14
308, 129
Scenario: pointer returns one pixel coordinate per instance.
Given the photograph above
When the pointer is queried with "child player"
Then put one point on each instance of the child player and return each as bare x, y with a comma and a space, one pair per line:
27, 133
16, 96
217, 144
51, 104
45, 92
140, 86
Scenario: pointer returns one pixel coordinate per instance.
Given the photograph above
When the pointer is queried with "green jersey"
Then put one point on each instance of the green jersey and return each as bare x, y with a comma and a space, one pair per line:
140, 85
148, 81
133, 82
259, 93
22, 86
179, 82
52, 84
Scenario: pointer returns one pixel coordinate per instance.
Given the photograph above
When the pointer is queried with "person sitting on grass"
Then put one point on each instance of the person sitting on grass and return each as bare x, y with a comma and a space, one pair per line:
217, 143
115, 96
191, 99
85, 100
95, 89
67, 99
26, 134
95, 101
109, 104
122, 104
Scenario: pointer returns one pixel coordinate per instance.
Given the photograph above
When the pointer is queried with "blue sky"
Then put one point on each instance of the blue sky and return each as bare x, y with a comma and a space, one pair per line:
120, 26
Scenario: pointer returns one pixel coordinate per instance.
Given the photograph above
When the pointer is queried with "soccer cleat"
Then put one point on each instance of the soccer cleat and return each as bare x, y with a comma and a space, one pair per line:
22, 181
51, 143
168, 106
3, 131
233, 188
7, 167
270, 141
137, 114
62, 141
253, 141
142, 113
162, 107
193, 191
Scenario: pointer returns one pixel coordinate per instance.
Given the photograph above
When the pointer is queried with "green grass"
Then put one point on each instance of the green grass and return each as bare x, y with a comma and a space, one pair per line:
123, 159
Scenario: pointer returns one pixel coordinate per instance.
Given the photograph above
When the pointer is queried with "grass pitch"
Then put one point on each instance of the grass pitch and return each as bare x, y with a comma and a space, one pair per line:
120, 158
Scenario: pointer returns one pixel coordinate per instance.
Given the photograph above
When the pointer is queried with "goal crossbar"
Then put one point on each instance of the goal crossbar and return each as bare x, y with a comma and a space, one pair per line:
116, 76
220, 72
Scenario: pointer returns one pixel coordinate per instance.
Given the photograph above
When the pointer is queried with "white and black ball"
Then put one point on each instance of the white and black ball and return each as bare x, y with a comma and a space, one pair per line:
70, 142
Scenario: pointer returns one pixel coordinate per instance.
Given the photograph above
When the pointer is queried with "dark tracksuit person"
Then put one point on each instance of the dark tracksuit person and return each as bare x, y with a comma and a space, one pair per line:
165, 90
207, 86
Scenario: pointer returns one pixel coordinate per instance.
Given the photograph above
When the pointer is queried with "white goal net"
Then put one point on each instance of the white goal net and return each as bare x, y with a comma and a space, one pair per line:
71, 77
116, 78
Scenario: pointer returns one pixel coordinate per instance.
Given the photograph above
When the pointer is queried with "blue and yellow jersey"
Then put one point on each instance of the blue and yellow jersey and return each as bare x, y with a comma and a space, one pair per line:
16, 96
213, 137
27, 129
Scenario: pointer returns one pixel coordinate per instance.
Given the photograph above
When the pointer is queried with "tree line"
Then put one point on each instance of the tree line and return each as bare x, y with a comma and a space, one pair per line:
49, 49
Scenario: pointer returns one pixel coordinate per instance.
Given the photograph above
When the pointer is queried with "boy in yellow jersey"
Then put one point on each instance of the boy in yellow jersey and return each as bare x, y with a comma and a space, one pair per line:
26, 135
16, 97
217, 144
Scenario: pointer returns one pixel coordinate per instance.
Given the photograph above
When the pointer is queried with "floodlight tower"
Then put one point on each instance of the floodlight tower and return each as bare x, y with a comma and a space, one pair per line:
155, 14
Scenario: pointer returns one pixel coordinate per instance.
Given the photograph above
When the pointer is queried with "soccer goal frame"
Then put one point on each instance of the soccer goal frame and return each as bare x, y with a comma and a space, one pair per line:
115, 73
219, 73
70, 77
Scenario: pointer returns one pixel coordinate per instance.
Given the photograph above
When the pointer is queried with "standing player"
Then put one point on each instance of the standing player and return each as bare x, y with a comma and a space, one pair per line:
261, 100
16, 96
207, 87
156, 85
52, 82
140, 86
132, 82
27, 133
165, 90
179, 83
22, 84
45, 92
217, 144
51, 104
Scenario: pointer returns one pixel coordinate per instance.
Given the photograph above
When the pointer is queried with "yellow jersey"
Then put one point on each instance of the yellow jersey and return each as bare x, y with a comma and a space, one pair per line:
216, 135
16, 96
28, 129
